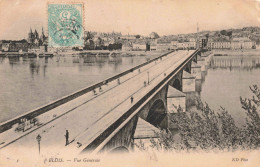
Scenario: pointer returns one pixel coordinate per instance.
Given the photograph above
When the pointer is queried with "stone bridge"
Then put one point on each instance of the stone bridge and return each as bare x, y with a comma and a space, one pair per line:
105, 117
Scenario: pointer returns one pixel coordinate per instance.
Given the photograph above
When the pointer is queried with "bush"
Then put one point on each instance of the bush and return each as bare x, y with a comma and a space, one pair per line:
252, 128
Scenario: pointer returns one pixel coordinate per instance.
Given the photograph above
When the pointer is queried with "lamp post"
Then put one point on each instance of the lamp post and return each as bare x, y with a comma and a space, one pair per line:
38, 138
148, 77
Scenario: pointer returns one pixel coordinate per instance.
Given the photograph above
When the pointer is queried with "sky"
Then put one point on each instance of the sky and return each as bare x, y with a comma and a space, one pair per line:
134, 16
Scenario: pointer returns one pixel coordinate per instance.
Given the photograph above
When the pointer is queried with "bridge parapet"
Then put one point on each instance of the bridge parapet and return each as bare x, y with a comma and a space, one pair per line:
155, 92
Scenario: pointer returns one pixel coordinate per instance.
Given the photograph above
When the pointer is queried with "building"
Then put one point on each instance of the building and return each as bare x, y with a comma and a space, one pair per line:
220, 45
235, 43
174, 43
5, 45
181, 45
153, 46
35, 40
242, 43
140, 45
127, 46
163, 46
192, 43
128, 37
14, 46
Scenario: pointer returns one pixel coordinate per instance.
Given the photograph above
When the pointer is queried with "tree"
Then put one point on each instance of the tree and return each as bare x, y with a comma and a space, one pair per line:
252, 129
138, 36
89, 45
223, 32
89, 35
115, 46
229, 34
154, 35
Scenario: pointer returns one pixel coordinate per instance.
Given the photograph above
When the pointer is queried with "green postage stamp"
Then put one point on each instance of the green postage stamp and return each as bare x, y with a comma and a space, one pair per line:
65, 25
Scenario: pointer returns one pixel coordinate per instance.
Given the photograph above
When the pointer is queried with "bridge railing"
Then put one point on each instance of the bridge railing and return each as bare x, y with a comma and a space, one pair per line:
38, 111
98, 144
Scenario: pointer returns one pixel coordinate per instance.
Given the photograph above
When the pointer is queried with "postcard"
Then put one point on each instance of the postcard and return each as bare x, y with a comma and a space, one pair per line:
130, 83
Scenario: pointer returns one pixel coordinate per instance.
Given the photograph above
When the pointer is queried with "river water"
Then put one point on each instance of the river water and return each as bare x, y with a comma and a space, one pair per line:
26, 84
228, 78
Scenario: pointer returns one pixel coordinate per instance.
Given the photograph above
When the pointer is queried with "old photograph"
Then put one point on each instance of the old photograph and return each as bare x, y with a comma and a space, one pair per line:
130, 83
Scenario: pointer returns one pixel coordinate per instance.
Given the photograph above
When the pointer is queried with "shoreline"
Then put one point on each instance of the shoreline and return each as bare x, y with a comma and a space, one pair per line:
247, 52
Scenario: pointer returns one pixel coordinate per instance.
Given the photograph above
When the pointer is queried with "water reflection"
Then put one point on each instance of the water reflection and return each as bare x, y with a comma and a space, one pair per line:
235, 62
2, 59
228, 79
34, 66
46, 59
44, 70
13, 60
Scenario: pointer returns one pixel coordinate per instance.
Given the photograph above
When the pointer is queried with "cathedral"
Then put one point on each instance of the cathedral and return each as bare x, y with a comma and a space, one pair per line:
35, 40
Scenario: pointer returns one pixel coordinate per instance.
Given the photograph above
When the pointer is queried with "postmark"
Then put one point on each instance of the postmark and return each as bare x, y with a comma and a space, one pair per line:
65, 25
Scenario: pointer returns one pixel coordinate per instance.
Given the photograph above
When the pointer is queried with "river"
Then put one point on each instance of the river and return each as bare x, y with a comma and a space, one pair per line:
228, 78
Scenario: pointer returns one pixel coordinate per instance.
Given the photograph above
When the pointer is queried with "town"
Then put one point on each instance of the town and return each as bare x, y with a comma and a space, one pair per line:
231, 39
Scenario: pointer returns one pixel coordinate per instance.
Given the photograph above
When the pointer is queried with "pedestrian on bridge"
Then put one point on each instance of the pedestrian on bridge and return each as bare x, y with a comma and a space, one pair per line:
67, 137
132, 99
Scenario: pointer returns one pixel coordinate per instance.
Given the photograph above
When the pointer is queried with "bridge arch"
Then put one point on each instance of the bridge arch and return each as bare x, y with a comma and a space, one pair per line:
157, 114
120, 149
177, 84
194, 59
188, 69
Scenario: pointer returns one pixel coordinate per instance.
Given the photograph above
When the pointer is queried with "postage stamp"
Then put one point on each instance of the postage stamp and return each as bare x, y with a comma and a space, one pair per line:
65, 25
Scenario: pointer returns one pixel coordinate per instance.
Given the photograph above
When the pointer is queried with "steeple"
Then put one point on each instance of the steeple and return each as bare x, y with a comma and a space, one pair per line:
197, 40
30, 35
36, 34
42, 31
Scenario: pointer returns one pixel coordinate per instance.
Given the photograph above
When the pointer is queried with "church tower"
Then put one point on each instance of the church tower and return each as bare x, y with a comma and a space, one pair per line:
36, 34
30, 36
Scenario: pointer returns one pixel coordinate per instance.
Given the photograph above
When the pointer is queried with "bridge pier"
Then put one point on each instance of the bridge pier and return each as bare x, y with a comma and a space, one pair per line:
175, 100
196, 70
188, 82
201, 61
208, 59
144, 132
198, 85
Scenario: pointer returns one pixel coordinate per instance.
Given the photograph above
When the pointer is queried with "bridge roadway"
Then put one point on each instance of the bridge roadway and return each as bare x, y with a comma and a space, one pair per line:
87, 116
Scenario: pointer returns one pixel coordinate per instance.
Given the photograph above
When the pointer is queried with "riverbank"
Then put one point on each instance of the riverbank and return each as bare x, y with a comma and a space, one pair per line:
116, 52
236, 52
99, 53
